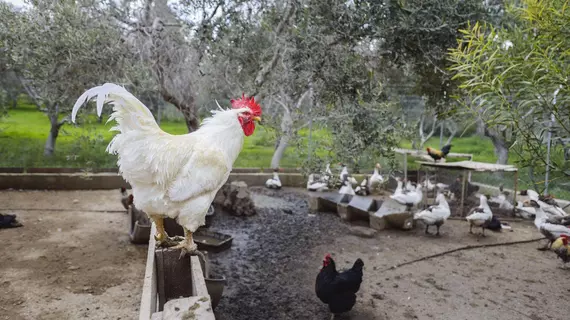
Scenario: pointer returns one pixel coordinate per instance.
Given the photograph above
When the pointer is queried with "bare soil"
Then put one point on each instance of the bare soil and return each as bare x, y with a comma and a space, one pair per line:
72, 263
276, 255
68, 262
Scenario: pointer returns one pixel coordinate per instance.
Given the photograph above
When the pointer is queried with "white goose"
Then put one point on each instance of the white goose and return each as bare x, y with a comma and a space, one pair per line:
376, 180
313, 185
435, 215
275, 182
410, 198
480, 215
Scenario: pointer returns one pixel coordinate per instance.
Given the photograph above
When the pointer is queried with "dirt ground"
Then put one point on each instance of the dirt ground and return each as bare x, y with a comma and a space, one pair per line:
79, 264
70, 263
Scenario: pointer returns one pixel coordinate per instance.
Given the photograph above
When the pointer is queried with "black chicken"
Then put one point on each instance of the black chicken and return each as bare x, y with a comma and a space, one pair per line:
9, 221
338, 290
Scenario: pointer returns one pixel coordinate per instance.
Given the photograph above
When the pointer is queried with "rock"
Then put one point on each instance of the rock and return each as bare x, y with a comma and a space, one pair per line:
236, 199
363, 232
378, 296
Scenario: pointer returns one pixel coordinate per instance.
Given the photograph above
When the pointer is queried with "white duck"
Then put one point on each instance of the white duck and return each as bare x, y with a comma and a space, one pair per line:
428, 185
344, 173
376, 180
409, 186
524, 211
313, 185
399, 187
328, 173
275, 182
362, 189
346, 187
435, 215
480, 215
550, 230
547, 208
410, 198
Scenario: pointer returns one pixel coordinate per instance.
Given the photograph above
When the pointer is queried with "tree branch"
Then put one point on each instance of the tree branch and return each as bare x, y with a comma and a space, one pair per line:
267, 68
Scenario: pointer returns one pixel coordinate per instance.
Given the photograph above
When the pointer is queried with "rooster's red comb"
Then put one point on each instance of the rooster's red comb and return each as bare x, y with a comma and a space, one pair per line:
247, 102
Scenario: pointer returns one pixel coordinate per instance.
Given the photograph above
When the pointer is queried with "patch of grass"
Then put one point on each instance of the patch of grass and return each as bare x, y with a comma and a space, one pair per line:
24, 131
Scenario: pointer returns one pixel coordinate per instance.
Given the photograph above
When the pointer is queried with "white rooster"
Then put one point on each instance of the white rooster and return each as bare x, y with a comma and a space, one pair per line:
174, 176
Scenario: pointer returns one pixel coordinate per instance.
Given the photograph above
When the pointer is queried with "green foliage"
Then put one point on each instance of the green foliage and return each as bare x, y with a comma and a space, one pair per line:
515, 79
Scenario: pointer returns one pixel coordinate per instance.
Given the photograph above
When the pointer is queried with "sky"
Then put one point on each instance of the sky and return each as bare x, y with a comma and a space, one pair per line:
17, 3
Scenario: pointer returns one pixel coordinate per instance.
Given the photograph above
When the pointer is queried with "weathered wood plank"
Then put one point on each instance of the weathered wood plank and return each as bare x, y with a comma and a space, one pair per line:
174, 278
148, 297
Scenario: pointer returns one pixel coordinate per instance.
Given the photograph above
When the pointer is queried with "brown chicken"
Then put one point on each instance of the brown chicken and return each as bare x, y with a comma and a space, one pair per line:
437, 154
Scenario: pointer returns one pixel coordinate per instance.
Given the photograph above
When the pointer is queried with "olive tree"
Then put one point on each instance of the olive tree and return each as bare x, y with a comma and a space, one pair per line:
58, 48
515, 79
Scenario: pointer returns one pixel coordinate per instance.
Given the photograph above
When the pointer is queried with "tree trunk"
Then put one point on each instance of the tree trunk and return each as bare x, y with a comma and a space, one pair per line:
286, 130
52, 137
280, 151
187, 108
502, 152
49, 147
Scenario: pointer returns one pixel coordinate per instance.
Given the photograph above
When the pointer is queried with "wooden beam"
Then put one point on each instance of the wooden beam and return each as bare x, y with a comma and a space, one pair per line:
148, 296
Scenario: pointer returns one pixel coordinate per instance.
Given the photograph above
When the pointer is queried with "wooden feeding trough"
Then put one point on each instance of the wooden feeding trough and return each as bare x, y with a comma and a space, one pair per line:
173, 288
392, 214
139, 226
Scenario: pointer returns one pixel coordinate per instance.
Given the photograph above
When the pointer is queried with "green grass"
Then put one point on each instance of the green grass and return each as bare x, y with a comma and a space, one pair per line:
24, 131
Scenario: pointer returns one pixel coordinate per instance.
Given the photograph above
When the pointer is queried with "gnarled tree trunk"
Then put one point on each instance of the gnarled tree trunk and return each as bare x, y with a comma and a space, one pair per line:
49, 147
286, 132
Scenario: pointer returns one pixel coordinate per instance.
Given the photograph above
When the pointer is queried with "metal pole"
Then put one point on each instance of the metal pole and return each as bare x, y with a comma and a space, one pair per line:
441, 135
463, 178
552, 119
548, 154
309, 151
515, 191
405, 166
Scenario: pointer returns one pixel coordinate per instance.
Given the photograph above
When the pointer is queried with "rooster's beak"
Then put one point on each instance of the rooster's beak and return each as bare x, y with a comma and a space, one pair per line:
258, 119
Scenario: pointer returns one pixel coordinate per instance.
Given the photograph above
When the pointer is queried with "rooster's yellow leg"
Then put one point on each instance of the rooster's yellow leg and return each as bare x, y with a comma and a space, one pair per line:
187, 245
161, 237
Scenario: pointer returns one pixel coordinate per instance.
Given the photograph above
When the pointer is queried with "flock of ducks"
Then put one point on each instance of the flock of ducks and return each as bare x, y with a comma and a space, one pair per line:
549, 218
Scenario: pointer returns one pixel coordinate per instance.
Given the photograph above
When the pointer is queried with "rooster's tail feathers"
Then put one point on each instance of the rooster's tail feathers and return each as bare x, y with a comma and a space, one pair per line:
129, 112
